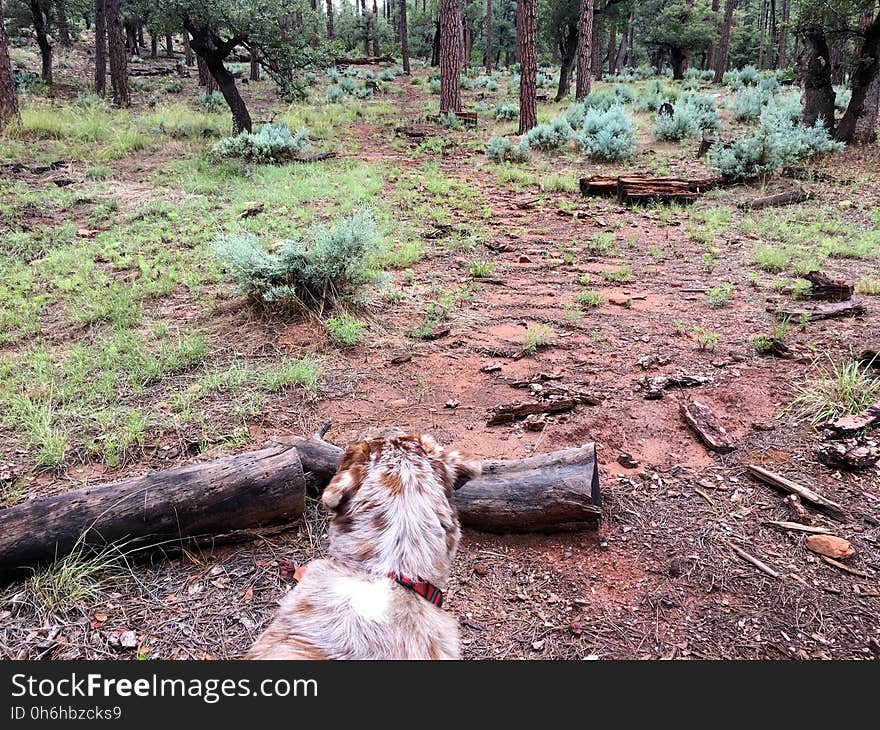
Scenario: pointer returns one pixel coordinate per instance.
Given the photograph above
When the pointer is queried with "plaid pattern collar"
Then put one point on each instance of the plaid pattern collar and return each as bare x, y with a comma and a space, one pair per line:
426, 590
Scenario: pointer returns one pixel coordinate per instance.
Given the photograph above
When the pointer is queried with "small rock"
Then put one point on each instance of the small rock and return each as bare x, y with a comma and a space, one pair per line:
523, 259
763, 425
830, 546
128, 639
452, 403
480, 569
627, 461
538, 645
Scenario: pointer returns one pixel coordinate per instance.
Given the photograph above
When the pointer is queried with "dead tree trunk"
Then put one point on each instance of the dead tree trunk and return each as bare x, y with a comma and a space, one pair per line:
724, 44
556, 491
527, 43
585, 50
450, 56
815, 65
8, 103
118, 59
404, 39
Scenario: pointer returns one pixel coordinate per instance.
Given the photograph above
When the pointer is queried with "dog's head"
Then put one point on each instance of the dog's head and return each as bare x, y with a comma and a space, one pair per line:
391, 504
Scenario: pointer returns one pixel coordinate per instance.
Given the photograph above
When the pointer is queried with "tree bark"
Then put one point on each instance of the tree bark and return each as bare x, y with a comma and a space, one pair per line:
818, 97
435, 48
677, 58
375, 20
859, 122
550, 492
450, 56
488, 36
568, 51
724, 43
169, 45
213, 51
585, 50
187, 49
118, 58
404, 39
783, 34
527, 42
612, 46
39, 21
61, 22
100, 48
154, 45
762, 28
330, 33
255, 65
710, 54
9, 115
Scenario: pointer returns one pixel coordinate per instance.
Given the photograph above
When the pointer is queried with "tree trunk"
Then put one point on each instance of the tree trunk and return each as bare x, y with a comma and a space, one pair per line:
527, 42
435, 48
488, 36
585, 50
783, 34
612, 47
404, 39
213, 51
815, 67
255, 65
366, 16
375, 20
154, 45
187, 49
677, 58
762, 27
724, 44
169, 45
9, 115
131, 41
550, 492
450, 56
330, 34
118, 58
39, 21
61, 22
100, 48
859, 123
710, 55
597, 53
140, 36
568, 51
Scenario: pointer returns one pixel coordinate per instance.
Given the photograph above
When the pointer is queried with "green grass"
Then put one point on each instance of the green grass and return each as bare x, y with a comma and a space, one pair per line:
705, 339
304, 372
719, 296
621, 274
537, 337
480, 269
868, 285
835, 389
345, 330
590, 299
602, 242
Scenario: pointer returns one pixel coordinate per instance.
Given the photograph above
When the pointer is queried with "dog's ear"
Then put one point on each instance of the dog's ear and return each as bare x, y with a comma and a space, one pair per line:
348, 477
458, 468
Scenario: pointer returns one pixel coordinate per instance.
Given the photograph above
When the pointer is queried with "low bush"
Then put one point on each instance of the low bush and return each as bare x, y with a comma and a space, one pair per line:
329, 264
548, 137
692, 116
749, 104
272, 143
608, 135
506, 111
501, 149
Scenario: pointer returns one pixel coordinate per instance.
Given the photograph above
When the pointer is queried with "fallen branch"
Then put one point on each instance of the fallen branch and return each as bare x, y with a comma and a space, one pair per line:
769, 201
824, 287
791, 487
798, 527
510, 412
845, 568
364, 60
850, 308
707, 426
763, 567
555, 491
316, 158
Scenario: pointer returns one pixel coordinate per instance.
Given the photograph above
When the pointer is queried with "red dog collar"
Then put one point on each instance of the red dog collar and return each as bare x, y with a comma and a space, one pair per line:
426, 590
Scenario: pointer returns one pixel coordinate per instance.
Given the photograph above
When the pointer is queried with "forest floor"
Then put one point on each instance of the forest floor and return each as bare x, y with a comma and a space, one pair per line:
123, 351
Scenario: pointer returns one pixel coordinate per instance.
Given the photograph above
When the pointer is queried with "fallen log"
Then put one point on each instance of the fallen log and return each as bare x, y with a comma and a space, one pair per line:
824, 287
850, 308
510, 412
641, 188
599, 185
707, 426
787, 485
555, 491
789, 197
364, 60
321, 156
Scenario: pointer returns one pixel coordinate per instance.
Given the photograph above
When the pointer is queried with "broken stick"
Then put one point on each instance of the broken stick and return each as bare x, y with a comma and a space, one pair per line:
707, 426
791, 487
763, 567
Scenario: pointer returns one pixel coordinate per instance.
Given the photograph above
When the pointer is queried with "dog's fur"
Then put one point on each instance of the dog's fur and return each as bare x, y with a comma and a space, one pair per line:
392, 510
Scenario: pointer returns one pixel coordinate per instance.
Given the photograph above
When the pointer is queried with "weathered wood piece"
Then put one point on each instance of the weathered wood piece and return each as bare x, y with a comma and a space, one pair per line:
790, 197
787, 485
850, 308
707, 426
824, 287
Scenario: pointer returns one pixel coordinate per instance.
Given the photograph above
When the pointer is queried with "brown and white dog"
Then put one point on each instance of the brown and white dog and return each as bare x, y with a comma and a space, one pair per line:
393, 535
